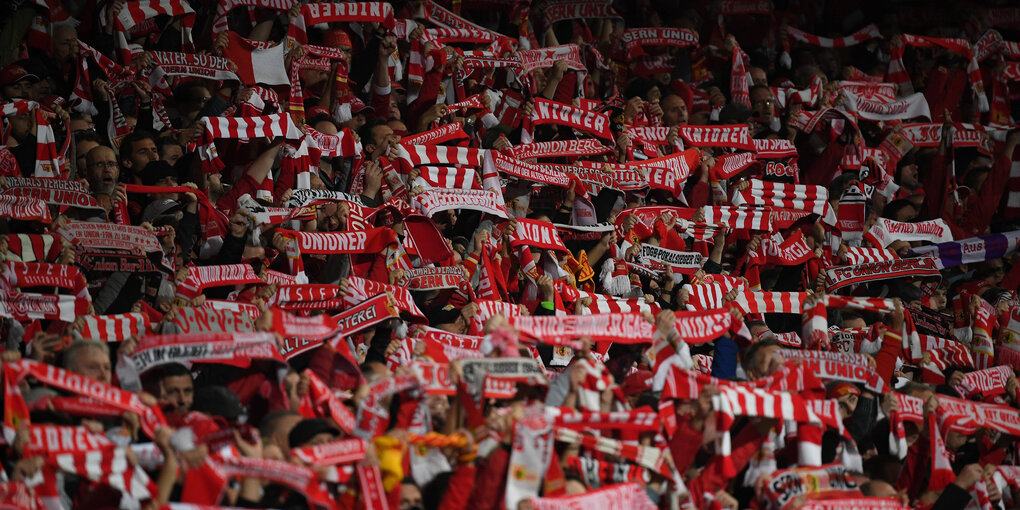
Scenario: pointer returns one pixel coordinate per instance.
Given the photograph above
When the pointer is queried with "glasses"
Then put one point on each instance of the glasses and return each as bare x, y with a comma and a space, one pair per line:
107, 164
764, 102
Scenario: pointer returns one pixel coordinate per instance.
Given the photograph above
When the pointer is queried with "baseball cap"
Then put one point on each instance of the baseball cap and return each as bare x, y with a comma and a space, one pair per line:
308, 428
14, 74
159, 208
445, 315
637, 382
358, 106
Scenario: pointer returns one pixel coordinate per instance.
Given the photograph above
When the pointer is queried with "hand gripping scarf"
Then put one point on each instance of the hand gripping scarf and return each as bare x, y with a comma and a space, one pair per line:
971, 250
634, 40
551, 112
624, 496
151, 417
620, 328
842, 276
898, 73
313, 14
138, 12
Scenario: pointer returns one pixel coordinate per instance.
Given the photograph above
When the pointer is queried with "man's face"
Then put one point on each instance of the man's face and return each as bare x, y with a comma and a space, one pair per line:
82, 124
142, 153
855, 323
954, 440
674, 111
93, 364
171, 153
19, 89
908, 176
769, 361
179, 392
65, 44
326, 218
758, 76
763, 104
102, 170
381, 135
81, 149
410, 497
906, 213
847, 404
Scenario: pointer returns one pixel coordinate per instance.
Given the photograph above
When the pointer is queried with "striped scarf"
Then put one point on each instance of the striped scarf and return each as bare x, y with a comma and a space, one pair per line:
116, 327
802, 197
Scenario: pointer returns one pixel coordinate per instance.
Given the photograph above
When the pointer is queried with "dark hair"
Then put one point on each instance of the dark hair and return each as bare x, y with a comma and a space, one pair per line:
175, 370
971, 179
750, 358
322, 117
87, 135
365, 131
127, 145
893, 208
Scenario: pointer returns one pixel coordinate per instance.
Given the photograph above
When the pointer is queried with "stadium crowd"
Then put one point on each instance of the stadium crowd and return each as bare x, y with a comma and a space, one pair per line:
522, 254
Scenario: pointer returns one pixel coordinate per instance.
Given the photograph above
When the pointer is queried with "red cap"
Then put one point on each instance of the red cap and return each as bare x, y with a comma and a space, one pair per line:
337, 39
315, 111
357, 105
14, 74
637, 382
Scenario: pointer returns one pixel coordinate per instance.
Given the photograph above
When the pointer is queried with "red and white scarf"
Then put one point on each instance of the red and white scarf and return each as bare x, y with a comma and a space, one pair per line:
634, 40
441, 134
860, 255
839, 366
451, 177
529, 171
116, 327
374, 240
529, 457
231, 348
865, 34
832, 480
788, 196
733, 136
313, 14
842, 276
193, 64
244, 128
898, 73
769, 302
910, 107
620, 328
151, 417
550, 13
966, 416
108, 466
740, 218
436, 200
441, 155
559, 148
624, 496
138, 12
551, 112
885, 231
202, 277
52, 191
987, 382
